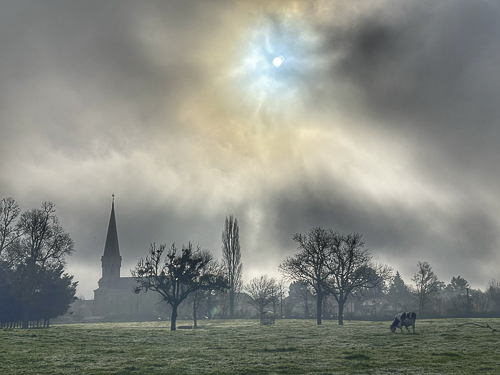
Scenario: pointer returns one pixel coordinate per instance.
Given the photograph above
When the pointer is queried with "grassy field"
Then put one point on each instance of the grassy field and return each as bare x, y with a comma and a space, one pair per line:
245, 347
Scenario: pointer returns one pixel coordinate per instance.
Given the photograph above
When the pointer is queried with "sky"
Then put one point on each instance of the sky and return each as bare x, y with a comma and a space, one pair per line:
382, 119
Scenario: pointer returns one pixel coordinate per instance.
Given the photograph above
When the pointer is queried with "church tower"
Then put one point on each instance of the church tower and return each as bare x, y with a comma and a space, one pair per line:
111, 260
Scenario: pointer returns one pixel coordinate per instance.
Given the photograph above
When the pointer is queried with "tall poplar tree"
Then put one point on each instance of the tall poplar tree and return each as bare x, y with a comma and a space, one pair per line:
231, 259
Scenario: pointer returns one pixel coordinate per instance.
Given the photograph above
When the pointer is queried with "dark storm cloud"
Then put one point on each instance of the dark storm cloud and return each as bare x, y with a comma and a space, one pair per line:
82, 82
426, 71
429, 68
395, 233
78, 71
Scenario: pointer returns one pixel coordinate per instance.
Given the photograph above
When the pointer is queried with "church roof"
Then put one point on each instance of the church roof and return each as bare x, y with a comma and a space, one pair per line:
111, 248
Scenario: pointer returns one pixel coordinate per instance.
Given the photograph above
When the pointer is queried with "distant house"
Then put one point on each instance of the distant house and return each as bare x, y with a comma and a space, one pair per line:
376, 307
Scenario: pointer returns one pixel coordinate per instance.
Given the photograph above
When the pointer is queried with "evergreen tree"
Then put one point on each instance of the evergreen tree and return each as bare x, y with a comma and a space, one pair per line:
456, 297
399, 293
56, 293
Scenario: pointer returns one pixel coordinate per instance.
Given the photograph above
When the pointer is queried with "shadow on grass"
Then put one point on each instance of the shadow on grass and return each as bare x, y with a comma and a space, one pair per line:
279, 350
447, 354
361, 357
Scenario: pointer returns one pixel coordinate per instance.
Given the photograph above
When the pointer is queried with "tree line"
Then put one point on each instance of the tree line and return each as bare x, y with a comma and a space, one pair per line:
33, 285
328, 263
328, 268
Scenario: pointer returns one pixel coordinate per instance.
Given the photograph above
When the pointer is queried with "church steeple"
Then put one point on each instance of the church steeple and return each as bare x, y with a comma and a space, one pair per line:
111, 259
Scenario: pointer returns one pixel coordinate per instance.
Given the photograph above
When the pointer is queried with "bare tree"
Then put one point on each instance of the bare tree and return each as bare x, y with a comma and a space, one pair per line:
9, 211
427, 285
278, 295
351, 269
231, 258
493, 295
299, 290
42, 239
213, 269
332, 263
42, 246
262, 292
309, 265
478, 300
176, 276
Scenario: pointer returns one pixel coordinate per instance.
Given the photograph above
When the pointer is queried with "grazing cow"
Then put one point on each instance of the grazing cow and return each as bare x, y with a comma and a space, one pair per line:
404, 319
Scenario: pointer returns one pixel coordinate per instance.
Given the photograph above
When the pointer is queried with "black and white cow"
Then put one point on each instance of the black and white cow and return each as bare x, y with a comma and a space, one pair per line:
405, 319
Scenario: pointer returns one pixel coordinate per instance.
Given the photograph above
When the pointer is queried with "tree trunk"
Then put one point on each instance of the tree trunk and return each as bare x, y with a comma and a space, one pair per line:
341, 312
173, 318
195, 320
231, 303
319, 308
281, 307
209, 305
25, 320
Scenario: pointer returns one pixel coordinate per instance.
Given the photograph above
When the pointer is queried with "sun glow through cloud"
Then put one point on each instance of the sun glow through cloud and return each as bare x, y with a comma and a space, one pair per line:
277, 61
273, 60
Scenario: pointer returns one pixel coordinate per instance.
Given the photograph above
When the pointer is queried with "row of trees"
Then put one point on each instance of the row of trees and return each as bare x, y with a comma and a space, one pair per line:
328, 262
327, 266
335, 268
33, 248
431, 296
428, 295
335, 264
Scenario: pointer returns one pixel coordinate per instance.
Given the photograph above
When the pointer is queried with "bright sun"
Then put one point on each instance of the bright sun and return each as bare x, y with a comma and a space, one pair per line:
277, 61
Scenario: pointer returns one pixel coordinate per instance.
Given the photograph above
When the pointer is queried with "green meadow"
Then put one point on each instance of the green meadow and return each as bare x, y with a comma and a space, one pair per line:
246, 347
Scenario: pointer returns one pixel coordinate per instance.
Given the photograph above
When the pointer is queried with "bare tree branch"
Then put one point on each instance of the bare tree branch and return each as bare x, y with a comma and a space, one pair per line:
479, 325
9, 211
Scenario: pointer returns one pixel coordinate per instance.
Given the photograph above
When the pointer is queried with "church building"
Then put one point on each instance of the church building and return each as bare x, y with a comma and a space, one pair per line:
115, 297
